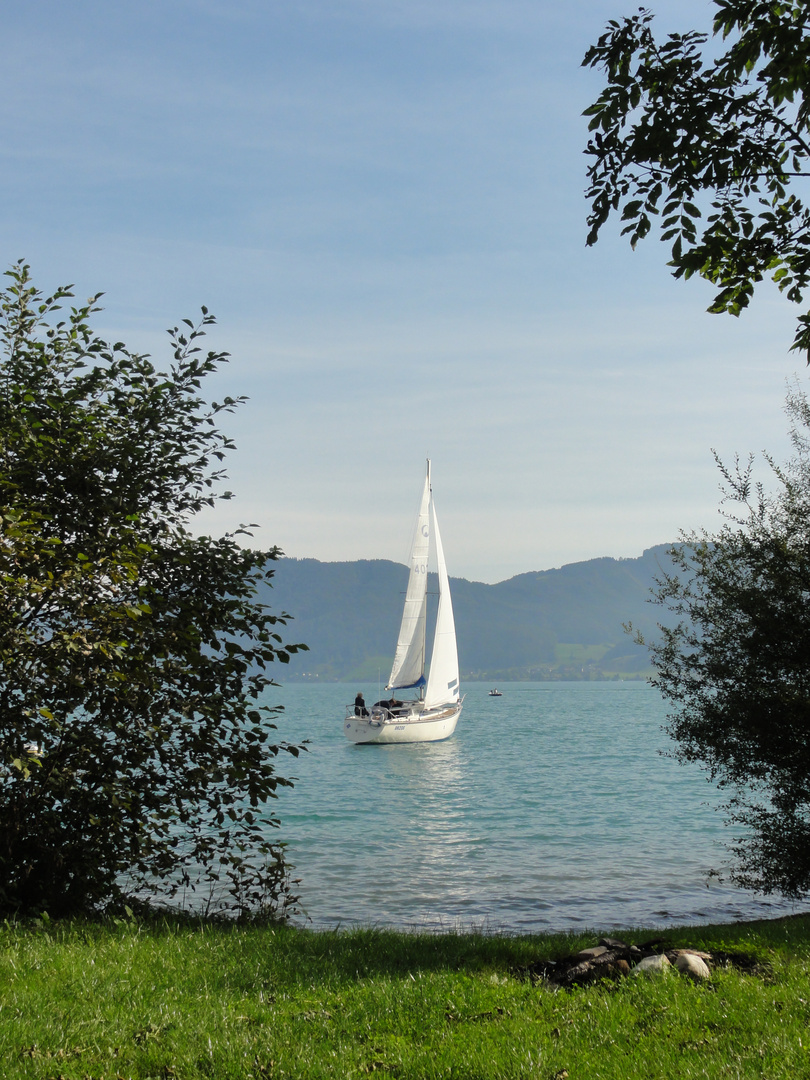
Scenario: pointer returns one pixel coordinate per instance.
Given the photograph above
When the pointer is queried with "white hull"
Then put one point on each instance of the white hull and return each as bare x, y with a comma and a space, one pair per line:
433, 726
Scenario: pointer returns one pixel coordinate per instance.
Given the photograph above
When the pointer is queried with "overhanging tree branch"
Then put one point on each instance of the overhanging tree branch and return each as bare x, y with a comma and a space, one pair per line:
670, 128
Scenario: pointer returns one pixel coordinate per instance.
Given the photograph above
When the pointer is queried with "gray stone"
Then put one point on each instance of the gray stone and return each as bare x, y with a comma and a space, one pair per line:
591, 954
580, 973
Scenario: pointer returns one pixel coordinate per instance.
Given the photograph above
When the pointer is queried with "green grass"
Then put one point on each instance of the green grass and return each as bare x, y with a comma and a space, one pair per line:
85, 1001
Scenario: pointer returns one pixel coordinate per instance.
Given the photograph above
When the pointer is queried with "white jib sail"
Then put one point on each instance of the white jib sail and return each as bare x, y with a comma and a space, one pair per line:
409, 660
442, 686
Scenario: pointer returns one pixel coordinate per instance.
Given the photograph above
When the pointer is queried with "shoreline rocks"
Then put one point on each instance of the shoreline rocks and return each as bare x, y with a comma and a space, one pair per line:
693, 965
612, 958
657, 964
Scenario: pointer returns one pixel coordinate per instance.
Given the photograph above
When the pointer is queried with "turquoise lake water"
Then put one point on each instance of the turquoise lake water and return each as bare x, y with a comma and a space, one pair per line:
550, 808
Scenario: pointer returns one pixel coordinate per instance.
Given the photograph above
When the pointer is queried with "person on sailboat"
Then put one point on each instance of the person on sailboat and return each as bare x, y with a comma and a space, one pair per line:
360, 705
388, 705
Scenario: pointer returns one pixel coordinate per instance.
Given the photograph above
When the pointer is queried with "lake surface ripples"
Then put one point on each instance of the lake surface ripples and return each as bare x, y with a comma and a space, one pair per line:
551, 808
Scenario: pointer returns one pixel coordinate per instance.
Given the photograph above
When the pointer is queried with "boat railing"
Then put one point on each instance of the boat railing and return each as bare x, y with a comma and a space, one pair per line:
380, 713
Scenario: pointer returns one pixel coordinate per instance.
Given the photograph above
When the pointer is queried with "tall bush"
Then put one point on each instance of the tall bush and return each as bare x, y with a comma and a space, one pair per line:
136, 758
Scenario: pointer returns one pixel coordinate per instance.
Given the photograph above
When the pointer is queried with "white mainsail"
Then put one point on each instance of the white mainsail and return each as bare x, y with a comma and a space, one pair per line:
409, 660
442, 686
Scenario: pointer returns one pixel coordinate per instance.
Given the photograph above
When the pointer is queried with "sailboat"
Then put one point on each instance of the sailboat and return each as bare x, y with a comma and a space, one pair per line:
434, 713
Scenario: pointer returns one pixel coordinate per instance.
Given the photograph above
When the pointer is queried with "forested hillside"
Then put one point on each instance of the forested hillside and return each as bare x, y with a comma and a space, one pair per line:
563, 623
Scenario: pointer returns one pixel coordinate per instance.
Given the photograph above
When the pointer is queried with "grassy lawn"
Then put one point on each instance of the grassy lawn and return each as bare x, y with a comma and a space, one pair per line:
86, 1001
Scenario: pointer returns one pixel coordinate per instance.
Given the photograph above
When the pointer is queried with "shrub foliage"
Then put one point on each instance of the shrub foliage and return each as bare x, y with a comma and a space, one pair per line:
735, 663
136, 760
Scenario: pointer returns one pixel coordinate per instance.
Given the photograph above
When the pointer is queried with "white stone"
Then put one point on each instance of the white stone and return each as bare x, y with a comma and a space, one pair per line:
692, 965
652, 965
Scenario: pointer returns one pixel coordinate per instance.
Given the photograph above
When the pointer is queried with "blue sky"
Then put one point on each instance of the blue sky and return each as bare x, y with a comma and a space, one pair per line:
382, 203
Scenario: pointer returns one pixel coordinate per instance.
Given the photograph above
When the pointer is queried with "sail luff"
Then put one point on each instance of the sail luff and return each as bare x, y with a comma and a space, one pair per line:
409, 660
442, 686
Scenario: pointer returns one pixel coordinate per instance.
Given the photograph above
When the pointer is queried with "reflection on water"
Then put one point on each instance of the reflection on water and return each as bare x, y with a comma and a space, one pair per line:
550, 807
440, 838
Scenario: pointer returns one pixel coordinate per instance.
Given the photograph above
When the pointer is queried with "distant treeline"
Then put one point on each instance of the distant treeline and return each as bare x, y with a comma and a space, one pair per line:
550, 624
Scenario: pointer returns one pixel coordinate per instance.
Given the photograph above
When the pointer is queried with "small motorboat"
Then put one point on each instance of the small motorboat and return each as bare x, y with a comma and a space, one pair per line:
495, 693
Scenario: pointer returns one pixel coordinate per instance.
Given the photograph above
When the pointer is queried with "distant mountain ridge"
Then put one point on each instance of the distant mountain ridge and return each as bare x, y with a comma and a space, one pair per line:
565, 623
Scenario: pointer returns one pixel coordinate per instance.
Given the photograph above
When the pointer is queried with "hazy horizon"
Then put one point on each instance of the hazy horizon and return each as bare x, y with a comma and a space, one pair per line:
453, 576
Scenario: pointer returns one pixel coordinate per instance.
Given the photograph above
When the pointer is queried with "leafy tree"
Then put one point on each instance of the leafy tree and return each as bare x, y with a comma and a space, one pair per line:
135, 757
712, 148
735, 665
